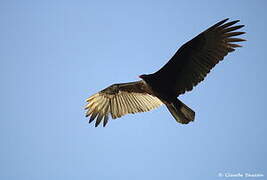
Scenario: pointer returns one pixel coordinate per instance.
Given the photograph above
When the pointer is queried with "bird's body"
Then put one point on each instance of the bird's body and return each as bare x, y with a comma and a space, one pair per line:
189, 66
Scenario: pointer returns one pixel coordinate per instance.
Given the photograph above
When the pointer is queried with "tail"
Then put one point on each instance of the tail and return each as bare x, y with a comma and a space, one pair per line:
182, 113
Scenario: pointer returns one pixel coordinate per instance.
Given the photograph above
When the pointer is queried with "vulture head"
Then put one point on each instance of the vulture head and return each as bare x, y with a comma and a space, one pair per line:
143, 76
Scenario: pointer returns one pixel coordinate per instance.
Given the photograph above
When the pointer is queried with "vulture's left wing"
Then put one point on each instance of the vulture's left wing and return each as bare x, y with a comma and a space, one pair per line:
194, 60
120, 99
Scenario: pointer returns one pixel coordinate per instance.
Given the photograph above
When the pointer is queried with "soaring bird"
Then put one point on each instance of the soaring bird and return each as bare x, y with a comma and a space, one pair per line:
189, 66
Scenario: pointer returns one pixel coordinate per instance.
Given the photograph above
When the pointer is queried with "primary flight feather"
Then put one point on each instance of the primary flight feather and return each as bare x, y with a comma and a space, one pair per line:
189, 66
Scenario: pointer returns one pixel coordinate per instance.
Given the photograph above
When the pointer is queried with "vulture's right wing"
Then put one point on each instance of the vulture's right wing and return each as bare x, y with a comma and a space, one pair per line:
120, 99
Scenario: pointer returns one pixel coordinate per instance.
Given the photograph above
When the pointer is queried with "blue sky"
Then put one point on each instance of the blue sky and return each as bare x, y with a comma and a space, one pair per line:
55, 54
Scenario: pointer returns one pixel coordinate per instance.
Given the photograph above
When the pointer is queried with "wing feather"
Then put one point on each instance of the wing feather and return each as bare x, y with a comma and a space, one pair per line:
136, 108
120, 99
122, 105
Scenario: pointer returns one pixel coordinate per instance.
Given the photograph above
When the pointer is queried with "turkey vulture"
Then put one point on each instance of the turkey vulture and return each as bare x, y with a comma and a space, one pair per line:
189, 66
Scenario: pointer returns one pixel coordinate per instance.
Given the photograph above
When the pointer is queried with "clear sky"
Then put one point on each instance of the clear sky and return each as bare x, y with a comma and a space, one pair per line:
55, 54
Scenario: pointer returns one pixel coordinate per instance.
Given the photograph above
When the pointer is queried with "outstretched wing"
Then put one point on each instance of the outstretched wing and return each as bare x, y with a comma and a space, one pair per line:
194, 60
120, 99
